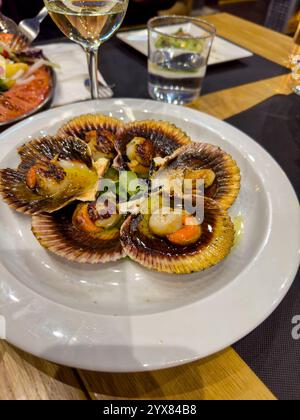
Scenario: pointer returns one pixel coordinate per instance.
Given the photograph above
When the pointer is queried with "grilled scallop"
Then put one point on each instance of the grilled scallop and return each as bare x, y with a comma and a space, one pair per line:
53, 172
141, 141
202, 161
84, 233
177, 241
99, 131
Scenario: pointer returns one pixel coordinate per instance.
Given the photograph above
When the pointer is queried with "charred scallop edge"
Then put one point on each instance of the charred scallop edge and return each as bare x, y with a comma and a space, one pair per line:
90, 122
46, 148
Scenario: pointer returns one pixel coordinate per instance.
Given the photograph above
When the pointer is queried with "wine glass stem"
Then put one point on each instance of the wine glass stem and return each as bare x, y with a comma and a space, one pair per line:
92, 58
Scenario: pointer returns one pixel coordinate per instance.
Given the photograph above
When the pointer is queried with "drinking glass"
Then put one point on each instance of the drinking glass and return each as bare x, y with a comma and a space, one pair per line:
89, 23
178, 52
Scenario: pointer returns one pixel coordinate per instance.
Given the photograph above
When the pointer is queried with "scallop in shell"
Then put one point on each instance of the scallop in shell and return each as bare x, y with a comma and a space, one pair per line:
139, 142
167, 243
219, 171
99, 131
73, 233
53, 172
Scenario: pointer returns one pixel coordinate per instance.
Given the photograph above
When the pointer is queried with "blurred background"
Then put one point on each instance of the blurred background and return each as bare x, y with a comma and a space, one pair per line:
280, 15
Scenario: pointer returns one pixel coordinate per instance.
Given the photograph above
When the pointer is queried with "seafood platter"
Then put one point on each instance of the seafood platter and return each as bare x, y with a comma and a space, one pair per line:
58, 184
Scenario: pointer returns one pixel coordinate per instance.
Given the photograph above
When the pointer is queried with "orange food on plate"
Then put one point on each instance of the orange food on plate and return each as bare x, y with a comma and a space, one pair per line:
20, 99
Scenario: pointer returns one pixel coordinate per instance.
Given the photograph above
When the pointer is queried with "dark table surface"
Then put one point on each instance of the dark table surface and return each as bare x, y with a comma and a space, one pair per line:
271, 350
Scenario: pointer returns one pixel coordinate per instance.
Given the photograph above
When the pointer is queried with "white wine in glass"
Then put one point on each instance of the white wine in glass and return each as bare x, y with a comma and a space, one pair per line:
89, 23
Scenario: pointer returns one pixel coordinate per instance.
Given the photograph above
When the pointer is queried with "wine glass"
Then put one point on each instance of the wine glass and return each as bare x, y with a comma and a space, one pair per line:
89, 23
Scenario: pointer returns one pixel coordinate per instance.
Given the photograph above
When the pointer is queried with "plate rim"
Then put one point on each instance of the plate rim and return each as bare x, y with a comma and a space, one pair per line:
63, 355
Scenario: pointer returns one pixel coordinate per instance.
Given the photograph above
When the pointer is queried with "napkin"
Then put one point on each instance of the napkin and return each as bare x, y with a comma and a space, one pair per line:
71, 74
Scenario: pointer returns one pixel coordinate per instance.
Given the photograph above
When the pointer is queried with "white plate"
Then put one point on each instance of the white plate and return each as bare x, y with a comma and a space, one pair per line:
122, 317
221, 52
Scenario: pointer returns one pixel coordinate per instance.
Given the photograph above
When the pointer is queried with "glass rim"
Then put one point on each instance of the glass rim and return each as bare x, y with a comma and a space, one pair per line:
188, 18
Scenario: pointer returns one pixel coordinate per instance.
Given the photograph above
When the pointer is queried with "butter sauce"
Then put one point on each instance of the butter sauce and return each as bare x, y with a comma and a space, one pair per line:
239, 227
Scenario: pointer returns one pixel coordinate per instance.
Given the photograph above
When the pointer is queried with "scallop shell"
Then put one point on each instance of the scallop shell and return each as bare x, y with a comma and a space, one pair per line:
57, 234
159, 254
226, 186
15, 191
79, 126
166, 138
